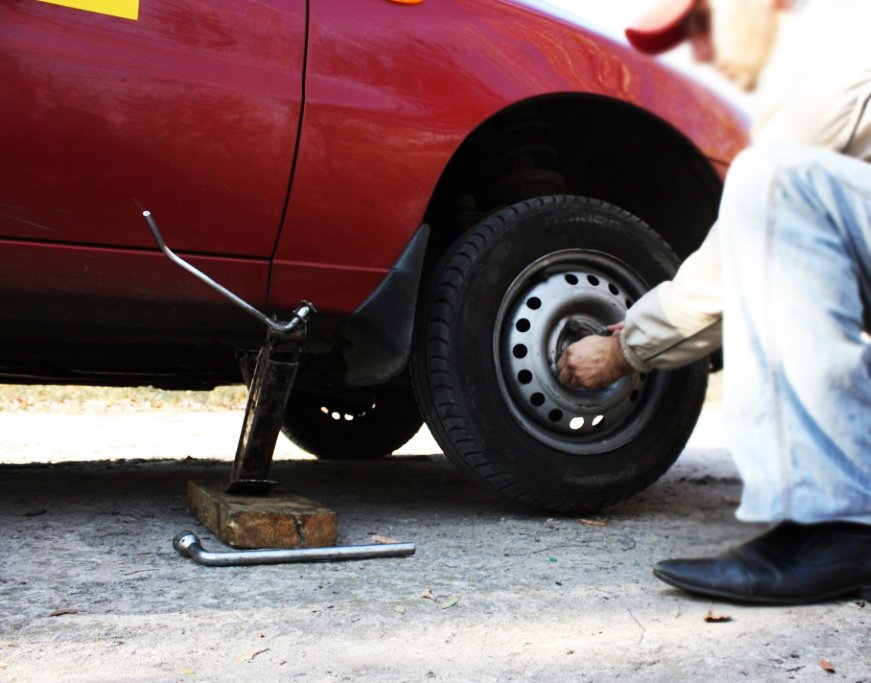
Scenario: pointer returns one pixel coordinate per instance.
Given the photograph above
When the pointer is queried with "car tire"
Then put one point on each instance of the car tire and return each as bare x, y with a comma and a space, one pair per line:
363, 425
494, 321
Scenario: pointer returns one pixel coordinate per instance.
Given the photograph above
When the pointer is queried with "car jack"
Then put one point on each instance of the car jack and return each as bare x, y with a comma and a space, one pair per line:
235, 514
274, 373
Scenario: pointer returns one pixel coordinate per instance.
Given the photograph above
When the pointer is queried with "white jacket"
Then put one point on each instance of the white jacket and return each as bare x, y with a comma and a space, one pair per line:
817, 90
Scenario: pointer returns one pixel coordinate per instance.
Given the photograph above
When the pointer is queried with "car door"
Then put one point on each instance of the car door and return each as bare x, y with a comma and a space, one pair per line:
189, 108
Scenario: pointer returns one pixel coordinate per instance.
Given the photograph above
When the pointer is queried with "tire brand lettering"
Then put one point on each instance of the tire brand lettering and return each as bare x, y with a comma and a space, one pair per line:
597, 219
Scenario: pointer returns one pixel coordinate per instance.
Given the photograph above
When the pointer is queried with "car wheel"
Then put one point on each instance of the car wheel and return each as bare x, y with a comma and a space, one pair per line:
363, 424
503, 304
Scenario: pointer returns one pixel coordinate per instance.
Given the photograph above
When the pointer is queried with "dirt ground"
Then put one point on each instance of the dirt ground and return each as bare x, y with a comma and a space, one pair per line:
91, 589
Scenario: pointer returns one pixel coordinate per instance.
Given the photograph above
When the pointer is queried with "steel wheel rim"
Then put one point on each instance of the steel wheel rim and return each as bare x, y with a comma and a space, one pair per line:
531, 330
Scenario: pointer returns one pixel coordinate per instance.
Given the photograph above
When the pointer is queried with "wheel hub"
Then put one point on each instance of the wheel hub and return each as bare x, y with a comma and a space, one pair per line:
554, 302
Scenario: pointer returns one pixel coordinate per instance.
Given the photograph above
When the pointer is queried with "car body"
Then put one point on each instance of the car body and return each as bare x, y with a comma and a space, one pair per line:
292, 149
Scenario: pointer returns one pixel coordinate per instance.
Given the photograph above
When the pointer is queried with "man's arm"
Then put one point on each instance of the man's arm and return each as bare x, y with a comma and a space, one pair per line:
675, 324
594, 362
679, 321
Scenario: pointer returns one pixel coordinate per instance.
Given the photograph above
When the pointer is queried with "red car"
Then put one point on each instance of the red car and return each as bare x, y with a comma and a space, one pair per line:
461, 187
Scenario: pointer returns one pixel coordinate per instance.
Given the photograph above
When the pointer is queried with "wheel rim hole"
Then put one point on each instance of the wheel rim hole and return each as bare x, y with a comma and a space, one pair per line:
628, 303
572, 279
613, 289
576, 423
520, 351
555, 415
633, 396
522, 325
537, 399
593, 280
534, 303
598, 420
524, 376
642, 376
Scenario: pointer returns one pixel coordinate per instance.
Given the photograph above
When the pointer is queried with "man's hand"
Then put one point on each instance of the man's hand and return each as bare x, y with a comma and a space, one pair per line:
594, 362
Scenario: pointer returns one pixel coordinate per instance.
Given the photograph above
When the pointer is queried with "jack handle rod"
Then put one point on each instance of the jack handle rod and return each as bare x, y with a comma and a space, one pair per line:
299, 315
187, 543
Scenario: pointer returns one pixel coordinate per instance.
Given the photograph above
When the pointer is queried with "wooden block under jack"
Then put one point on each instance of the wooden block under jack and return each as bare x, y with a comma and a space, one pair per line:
279, 520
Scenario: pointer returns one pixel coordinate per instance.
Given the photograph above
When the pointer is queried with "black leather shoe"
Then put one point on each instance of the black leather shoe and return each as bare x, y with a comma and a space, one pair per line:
791, 564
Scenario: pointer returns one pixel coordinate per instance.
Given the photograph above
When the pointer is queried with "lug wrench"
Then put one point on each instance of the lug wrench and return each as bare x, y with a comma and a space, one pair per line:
187, 543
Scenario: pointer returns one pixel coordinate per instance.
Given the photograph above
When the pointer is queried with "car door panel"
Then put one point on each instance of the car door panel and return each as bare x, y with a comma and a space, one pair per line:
70, 293
192, 111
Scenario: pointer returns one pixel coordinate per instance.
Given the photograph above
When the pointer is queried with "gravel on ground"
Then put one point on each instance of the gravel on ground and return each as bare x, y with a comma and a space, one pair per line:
91, 589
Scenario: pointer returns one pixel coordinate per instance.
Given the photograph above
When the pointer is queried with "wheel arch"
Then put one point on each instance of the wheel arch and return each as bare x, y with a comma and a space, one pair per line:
572, 144
586, 145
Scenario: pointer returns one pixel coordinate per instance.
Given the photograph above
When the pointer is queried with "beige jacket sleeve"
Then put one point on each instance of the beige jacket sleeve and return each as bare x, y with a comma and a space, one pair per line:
680, 321
816, 96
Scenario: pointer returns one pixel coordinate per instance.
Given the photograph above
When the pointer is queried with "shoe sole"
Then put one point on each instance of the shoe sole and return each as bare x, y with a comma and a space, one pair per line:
862, 592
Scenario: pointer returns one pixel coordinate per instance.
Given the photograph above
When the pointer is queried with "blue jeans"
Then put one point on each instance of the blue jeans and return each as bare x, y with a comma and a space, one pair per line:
795, 236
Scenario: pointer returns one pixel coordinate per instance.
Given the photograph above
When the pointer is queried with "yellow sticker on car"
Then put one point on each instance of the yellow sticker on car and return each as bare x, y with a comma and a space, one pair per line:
126, 9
